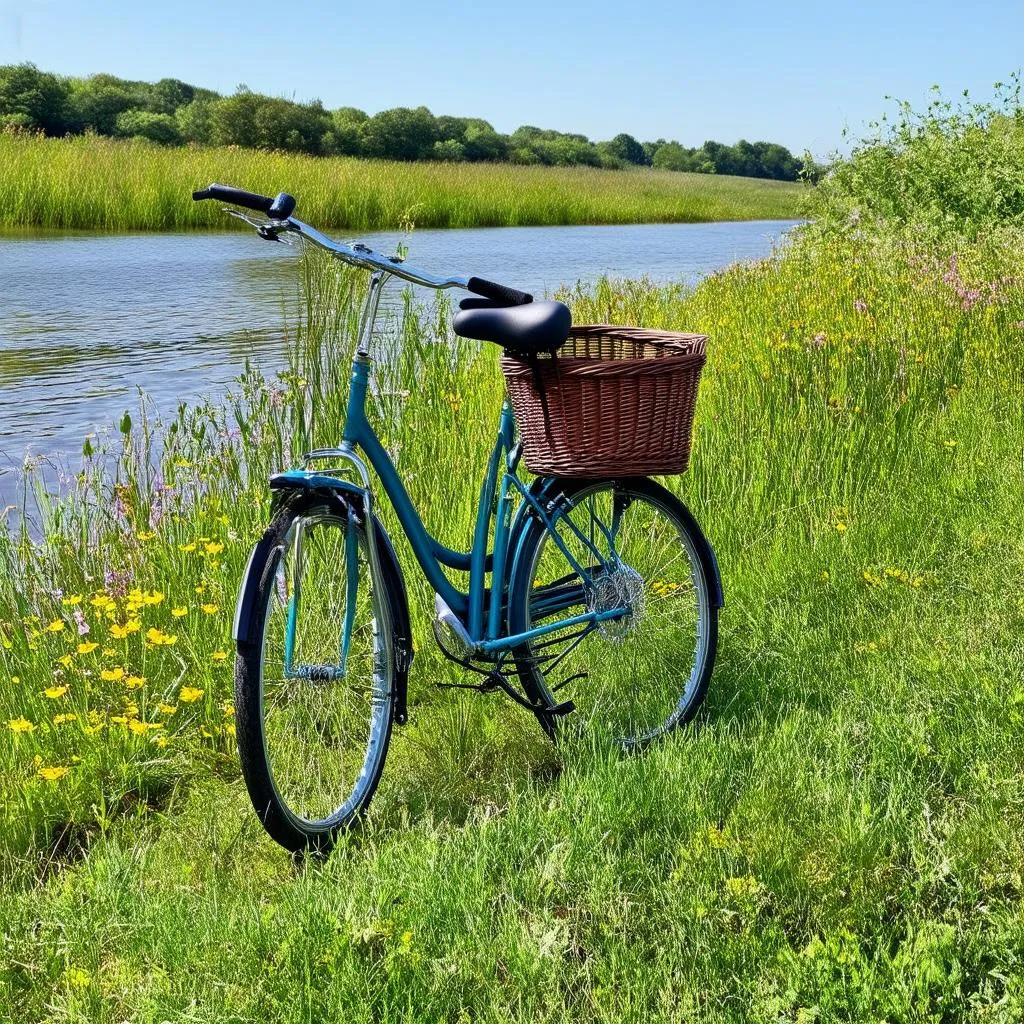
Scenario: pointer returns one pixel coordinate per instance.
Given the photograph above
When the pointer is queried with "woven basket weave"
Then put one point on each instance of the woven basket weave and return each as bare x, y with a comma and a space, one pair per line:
620, 402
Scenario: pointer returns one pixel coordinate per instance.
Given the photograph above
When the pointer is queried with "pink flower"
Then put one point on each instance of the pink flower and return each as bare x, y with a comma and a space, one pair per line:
83, 626
860, 305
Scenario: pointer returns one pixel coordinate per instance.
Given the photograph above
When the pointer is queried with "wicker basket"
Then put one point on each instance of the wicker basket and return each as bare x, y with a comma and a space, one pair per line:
616, 401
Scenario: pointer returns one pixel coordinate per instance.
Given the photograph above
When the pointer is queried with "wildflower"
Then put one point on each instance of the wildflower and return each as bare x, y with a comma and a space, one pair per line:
167, 709
53, 692
841, 527
190, 694
66, 660
112, 675
228, 708
860, 305
119, 632
871, 579
949, 444
109, 652
119, 719
229, 729
218, 656
100, 601
15, 680
214, 548
61, 719
161, 741
187, 548
153, 597
179, 612
83, 626
56, 626
88, 647
20, 725
145, 535
71, 599
157, 637
77, 978
134, 682
54, 773
211, 609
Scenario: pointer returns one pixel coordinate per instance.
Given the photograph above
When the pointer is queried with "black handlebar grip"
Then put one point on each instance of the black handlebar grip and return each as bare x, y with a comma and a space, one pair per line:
498, 292
281, 208
236, 196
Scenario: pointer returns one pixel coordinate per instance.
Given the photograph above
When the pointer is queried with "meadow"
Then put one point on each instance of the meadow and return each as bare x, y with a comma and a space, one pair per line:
101, 184
837, 837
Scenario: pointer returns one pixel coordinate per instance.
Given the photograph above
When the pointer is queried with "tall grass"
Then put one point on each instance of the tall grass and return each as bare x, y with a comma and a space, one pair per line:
839, 837
108, 185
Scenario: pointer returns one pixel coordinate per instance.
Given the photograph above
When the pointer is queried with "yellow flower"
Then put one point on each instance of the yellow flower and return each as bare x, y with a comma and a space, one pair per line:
146, 535
56, 626
153, 597
215, 547
157, 637
119, 719
77, 978
112, 675
211, 609
66, 660
949, 444
161, 741
201, 589
167, 709
190, 694
100, 601
53, 692
228, 708
229, 729
139, 728
119, 632
841, 527
187, 547
134, 682
61, 719
54, 773
218, 656
179, 612
88, 647
109, 652
71, 599
20, 725
15, 680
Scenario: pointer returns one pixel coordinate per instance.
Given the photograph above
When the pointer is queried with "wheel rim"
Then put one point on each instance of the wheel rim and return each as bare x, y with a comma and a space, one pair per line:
636, 675
324, 714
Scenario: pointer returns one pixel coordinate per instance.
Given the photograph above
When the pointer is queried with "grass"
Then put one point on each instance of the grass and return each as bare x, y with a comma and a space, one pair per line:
838, 837
107, 185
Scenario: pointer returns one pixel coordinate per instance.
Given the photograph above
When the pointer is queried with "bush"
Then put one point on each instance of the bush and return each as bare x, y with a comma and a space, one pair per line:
162, 128
953, 169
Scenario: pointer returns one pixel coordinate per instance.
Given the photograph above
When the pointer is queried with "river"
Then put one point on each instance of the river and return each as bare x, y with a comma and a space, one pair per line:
87, 321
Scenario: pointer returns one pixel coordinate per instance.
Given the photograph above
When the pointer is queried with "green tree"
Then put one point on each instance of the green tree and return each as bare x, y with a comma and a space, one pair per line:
30, 98
627, 149
96, 101
162, 128
400, 134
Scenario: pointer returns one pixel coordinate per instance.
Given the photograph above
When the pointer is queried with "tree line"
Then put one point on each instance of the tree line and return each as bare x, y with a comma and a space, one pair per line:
172, 112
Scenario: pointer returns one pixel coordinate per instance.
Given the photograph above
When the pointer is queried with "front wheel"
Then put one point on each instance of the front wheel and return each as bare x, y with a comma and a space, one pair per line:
629, 551
314, 679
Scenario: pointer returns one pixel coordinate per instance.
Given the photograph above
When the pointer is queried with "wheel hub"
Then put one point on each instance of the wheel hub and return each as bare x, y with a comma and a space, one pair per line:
619, 586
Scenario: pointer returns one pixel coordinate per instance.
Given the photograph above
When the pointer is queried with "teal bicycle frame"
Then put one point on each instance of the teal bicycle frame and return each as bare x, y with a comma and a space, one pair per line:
481, 612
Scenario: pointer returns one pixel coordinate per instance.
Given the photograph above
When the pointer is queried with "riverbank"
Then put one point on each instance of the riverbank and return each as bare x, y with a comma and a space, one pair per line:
100, 184
824, 837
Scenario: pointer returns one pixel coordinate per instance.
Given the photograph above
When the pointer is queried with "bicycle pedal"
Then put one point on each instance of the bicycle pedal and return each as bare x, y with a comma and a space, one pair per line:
565, 708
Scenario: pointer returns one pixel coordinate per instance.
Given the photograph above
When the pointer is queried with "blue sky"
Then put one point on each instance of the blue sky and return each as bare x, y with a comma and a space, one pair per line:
794, 73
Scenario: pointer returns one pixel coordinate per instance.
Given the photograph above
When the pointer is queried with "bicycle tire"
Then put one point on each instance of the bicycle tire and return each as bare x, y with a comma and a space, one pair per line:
705, 598
286, 824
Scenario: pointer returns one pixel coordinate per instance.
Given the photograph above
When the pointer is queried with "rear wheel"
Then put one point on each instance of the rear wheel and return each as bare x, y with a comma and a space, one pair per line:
314, 684
633, 555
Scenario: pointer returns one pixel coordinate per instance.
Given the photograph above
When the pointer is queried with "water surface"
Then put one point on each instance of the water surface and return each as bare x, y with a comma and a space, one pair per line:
87, 321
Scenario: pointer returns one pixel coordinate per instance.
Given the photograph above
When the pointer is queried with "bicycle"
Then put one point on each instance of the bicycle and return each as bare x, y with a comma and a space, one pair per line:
607, 585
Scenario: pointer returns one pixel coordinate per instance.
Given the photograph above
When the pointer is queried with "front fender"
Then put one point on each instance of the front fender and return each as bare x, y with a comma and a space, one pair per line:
308, 489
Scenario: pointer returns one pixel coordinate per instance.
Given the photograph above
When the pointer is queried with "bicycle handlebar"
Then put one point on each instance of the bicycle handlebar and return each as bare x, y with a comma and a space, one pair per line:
279, 210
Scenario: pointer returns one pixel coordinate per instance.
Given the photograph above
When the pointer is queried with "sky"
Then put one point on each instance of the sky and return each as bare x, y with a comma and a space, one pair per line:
794, 73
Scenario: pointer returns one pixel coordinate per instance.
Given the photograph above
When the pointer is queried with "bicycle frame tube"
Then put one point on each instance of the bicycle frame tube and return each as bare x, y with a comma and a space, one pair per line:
482, 613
